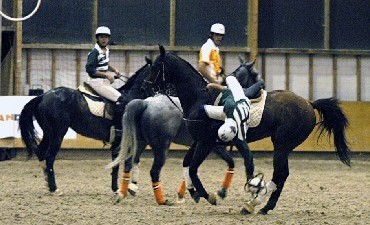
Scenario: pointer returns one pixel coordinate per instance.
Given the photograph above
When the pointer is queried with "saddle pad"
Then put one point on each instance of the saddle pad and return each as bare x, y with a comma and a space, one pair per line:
257, 110
97, 108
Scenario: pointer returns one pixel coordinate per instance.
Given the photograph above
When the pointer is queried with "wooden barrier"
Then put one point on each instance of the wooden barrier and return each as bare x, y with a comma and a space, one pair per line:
358, 135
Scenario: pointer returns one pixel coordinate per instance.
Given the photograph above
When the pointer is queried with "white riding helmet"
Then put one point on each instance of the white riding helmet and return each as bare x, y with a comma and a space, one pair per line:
228, 130
102, 30
218, 28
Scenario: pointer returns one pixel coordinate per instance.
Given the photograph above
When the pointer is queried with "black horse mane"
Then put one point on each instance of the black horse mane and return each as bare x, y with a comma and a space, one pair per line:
133, 79
202, 83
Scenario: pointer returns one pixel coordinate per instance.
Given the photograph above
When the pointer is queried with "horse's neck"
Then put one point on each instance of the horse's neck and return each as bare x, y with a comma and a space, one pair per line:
190, 91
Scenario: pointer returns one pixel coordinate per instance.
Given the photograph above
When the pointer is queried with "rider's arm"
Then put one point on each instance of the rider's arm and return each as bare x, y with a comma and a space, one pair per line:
206, 71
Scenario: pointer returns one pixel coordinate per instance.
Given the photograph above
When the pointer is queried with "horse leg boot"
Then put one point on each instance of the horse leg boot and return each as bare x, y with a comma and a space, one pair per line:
224, 154
258, 198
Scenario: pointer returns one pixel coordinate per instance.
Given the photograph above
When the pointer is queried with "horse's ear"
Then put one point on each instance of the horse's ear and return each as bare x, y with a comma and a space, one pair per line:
240, 60
162, 50
148, 61
250, 64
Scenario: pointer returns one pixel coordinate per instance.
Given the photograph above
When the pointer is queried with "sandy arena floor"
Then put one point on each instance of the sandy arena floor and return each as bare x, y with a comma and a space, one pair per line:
322, 191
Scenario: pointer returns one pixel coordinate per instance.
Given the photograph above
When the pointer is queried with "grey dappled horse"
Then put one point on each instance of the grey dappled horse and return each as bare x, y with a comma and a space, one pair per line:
157, 121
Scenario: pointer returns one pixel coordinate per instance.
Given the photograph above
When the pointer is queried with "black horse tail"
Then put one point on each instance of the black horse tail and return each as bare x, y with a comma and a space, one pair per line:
333, 121
133, 111
28, 132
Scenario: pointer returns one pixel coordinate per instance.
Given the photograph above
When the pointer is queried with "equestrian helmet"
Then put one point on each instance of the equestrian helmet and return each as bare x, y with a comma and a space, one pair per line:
218, 28
228, 130
102, 30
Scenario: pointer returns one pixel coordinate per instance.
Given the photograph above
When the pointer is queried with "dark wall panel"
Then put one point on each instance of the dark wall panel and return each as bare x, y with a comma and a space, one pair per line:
194, 19
58, 22
291, 23
350, 24
136, 22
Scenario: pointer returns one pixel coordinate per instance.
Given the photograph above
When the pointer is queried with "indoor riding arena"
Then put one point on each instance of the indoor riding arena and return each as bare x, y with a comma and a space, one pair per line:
318, 50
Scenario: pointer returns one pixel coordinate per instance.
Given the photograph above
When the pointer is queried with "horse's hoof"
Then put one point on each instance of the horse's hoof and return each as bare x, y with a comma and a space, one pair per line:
57, 192
167, 202
262, 212
132, 189
248, 208
117, 197
195, 196
222, 193
212, 199
180, 199
244, 211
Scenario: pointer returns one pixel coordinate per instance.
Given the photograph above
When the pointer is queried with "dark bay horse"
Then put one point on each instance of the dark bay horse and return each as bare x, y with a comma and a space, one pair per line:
287, 118
157, 121
61, 108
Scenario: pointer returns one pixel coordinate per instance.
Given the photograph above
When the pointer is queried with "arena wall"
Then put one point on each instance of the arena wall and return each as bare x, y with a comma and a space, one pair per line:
358, 135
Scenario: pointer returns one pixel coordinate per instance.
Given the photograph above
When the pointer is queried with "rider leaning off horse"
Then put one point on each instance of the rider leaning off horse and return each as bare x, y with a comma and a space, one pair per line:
97, 66
234, 103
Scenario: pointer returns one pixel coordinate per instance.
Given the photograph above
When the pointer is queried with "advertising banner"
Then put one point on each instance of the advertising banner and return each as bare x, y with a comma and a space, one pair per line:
10, 110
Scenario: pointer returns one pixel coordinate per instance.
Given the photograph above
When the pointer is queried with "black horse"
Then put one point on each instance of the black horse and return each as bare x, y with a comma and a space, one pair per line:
287, 118
157, 121
61, 108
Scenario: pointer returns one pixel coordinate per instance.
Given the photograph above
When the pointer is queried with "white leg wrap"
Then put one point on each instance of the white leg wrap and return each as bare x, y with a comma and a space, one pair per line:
188, 182
135, 173
271, 186
215, 112
235, 87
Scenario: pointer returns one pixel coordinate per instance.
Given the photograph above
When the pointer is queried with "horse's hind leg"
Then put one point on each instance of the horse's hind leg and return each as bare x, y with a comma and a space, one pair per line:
51, 152
159, 161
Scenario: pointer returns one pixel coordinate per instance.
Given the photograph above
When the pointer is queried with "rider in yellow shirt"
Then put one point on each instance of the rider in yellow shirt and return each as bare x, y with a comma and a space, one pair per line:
209, 64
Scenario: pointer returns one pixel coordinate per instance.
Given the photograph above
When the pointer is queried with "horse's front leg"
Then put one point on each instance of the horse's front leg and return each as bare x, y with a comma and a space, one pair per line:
159, 161
114, 174
202, 150
280, 175
186, 183
224, 154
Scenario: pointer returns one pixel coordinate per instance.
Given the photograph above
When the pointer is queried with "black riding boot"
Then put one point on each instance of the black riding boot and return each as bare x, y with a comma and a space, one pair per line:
118, 110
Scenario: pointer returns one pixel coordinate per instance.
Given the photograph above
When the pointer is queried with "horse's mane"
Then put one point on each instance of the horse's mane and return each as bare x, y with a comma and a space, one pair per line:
133, 79
198, 77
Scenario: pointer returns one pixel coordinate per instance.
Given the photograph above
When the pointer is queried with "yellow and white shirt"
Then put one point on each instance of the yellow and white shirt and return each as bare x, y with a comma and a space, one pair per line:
210, 54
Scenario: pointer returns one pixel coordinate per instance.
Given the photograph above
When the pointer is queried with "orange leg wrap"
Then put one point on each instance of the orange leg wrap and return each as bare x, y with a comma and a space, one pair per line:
228, 178
181, 190
158, 193
124, 184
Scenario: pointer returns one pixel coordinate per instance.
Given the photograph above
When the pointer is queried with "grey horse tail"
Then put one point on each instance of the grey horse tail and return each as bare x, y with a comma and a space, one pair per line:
133, 111
28, 132
334, 122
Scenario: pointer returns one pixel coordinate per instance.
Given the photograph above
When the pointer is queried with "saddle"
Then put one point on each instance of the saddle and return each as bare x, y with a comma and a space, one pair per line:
98, 105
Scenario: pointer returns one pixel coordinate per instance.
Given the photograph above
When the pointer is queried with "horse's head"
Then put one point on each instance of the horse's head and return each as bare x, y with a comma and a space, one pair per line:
157, 77
246, 74
135, 85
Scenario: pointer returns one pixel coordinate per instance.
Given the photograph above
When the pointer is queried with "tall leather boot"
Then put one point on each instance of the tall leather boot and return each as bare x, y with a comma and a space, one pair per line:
118, 111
